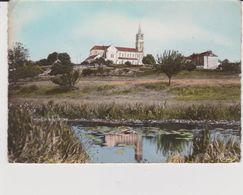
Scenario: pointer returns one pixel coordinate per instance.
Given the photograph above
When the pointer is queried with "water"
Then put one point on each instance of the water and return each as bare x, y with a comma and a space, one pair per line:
142, 144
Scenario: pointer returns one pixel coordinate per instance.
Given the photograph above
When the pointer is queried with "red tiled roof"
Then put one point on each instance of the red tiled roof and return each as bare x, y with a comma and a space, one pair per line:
206, 53
127, 49
127, 58
99, 47
104, 47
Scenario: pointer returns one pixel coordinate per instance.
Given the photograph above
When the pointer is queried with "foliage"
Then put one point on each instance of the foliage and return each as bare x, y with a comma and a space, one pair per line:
42, 62
87, 72
190, 66
128, 63
101, 61
171, 63
17, 55
17, 58
68, 79
60, 68
149, 59
49, 141
232, 67
64, 58
52, 58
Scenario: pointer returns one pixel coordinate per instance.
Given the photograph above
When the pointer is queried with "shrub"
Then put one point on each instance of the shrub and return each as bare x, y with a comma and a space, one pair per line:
67, 80
87, 72
128, 63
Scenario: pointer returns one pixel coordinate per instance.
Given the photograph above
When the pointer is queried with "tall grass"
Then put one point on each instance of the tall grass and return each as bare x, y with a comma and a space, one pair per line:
216, 151
137, 111
30, 141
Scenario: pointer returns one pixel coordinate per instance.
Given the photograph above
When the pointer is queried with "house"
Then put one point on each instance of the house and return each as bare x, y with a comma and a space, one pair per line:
120, 55
205, 60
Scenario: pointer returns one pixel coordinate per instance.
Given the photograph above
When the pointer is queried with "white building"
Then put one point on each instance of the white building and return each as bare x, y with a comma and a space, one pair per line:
120, 55
205, 60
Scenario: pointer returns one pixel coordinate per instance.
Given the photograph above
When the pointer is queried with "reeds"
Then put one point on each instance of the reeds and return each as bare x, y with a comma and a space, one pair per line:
206, 150
50, 141
137, 111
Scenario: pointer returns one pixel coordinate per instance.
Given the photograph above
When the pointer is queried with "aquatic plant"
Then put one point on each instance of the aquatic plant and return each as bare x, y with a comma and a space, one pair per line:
47, 141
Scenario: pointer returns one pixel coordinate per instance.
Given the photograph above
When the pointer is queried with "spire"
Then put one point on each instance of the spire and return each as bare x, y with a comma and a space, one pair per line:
139, 29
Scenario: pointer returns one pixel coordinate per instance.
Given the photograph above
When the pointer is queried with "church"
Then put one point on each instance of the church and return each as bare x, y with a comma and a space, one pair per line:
120, 55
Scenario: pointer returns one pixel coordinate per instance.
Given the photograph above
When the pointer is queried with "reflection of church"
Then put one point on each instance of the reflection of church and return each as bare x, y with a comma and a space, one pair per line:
114, 139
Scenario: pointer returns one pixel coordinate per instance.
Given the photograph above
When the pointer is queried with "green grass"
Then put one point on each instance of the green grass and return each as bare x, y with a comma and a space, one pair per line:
154, 86
205, 74
222, 92
33, 90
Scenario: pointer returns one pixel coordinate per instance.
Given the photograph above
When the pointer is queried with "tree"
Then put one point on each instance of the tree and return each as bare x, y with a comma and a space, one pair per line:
149, 59
52, 58
42, 62
170, 62
233, 67
60, 68
17, 57
64, 58
67, 80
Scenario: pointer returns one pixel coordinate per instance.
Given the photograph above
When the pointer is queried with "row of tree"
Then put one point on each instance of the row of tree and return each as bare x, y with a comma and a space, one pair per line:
170, 63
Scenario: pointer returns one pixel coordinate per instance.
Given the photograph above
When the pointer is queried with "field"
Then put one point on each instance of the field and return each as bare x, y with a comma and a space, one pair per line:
187, 88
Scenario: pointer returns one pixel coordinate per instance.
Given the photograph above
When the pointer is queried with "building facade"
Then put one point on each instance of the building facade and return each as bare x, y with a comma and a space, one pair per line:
120, 55
205, 60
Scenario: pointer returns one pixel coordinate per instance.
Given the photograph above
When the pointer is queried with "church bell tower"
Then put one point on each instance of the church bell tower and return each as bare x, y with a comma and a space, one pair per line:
139, 40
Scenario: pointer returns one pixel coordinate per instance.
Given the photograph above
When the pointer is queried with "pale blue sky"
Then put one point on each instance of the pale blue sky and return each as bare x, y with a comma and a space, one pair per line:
75, 26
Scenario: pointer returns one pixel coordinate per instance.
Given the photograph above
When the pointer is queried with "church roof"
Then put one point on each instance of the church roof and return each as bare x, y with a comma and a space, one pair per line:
99, 47
104, 47
127, 49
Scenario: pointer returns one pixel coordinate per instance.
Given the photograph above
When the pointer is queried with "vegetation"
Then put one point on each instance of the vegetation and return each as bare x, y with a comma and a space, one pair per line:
149, 59
232, 67
68, 79
223, 92
128, 63
137, 111
206, 150
171, 63
19, 65
50, 141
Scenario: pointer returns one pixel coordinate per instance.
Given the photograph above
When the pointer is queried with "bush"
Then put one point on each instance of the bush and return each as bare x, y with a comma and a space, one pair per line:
59, 68
67, 80
128, 63
26, 71
227, 66
87, 72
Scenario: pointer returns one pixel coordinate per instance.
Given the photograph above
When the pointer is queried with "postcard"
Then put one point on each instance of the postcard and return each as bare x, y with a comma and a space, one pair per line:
124, 82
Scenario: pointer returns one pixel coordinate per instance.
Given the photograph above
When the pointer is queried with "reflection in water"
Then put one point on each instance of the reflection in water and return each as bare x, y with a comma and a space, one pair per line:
127, 138
170, 143
148, 144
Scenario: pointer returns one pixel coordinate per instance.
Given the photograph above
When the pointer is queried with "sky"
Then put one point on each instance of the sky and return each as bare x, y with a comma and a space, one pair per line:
76, 26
